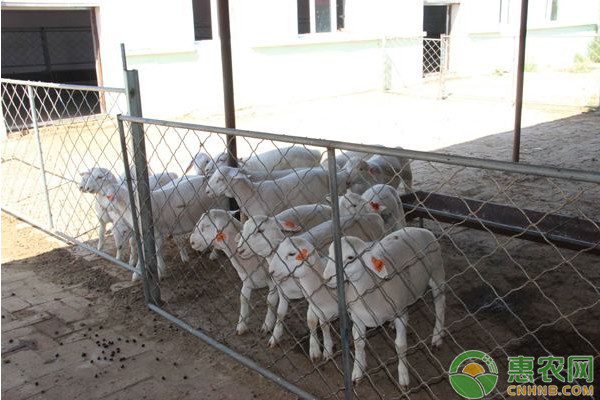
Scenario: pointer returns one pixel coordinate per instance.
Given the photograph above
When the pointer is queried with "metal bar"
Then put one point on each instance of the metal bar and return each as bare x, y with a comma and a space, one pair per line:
539, 170
231, 353
134, 213
63, 86
40, 153
68, 239
339, 273
520, 78
149, 270
228, 95
123, 57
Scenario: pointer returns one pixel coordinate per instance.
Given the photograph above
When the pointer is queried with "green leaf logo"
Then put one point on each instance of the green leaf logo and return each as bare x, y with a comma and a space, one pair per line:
472, 381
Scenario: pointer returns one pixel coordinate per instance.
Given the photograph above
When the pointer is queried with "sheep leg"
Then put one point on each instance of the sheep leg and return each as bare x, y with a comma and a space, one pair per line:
439, 302
312, 322
214, 254
360, 357
245, 294
133, 256
272, 298
181, 243
401, 346
327, 342
119, 235
162, 267
282, 309
101, 234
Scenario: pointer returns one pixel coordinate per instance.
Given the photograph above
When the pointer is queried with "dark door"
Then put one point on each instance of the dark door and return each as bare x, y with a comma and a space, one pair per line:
435, 23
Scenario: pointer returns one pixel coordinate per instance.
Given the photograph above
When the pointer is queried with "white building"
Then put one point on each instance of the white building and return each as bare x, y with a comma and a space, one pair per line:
283, 50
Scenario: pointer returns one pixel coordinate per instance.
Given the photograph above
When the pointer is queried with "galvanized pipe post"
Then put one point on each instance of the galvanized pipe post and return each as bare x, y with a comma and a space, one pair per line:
520, 79
36, 130
228, 96
148, 267
339, 273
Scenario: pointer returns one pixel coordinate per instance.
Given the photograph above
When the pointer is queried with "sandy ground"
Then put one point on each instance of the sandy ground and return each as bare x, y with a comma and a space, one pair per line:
503, 293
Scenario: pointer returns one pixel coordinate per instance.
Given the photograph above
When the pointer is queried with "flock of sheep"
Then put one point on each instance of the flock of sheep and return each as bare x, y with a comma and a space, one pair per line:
285, 244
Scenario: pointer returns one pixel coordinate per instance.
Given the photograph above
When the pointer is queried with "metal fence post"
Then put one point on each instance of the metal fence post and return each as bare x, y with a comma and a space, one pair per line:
36, 130
339, 273
148, 267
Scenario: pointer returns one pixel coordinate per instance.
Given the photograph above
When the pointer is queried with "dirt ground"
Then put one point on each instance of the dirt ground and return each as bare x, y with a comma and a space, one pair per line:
79, 300
505, 296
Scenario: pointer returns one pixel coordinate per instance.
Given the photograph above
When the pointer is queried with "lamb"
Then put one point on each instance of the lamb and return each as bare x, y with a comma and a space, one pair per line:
91, 182
175, 208
218, 229
384, 280
297, 259
390, 170
291, 157
261, 235
270, 197
381, 199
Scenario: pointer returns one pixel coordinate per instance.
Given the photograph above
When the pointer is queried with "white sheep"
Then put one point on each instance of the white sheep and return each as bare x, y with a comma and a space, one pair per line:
381, 199
291, 157
91, 182
304, 186
391, 170
262, 235
218, 229
341, 158
175, 209
297, 259
384, 279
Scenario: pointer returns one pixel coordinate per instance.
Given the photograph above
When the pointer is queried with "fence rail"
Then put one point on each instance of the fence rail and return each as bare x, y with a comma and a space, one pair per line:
271, 283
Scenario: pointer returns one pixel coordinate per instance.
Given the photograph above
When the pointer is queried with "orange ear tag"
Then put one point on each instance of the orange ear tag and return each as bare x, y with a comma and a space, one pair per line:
378, 263
374, 205
220, 237
288, 224
302, 255
110, 196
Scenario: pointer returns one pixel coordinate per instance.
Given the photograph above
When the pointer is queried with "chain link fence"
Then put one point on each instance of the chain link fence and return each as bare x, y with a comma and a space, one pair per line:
53, 134
503, 236
560, 70
446, 253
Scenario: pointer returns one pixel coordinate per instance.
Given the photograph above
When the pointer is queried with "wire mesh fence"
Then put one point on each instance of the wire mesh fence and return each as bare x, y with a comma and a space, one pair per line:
430, 254
506, 261
54, 133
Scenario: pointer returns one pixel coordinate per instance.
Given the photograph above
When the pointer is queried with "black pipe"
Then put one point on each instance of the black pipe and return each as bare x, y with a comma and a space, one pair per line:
228, 97
520, 76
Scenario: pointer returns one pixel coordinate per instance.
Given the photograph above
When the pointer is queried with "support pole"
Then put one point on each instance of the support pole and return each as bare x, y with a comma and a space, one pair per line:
36, 131
228, 97
339, 274
520, 78
148, 267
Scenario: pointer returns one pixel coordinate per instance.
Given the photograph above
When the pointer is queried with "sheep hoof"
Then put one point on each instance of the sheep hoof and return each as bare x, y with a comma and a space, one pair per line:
241, 329
264, 329
135, 277
272, 343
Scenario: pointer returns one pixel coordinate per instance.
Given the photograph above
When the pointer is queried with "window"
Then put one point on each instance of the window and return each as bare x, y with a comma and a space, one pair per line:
315, 16
202, 21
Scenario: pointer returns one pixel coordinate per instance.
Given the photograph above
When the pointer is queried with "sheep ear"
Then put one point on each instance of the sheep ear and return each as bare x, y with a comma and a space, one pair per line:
376, 206
290, 226
302, 255
110, 196
189, 167
377, 265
